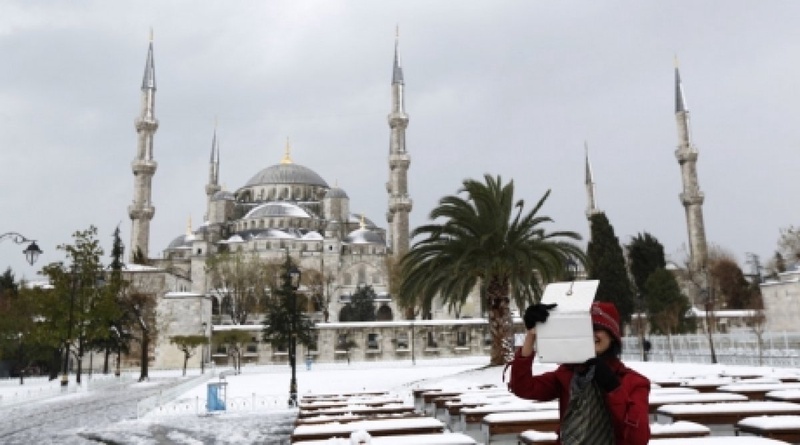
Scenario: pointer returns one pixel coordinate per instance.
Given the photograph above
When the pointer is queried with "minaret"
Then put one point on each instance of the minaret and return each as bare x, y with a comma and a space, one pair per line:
399, 160
144, 167
213, 172
691, 197
591, 203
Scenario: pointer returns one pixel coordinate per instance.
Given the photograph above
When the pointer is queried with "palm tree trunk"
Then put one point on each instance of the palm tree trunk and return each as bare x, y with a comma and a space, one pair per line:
499, 326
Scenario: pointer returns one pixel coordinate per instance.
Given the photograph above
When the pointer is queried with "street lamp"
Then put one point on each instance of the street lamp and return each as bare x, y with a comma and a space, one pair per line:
644, 345
293, 274
31, 252
21, 359
65, 370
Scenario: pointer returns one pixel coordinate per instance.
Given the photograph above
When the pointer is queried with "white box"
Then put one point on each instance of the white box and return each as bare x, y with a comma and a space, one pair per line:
567, 335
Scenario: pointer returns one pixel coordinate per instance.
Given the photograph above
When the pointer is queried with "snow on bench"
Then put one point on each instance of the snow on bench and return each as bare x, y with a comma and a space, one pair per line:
721, 417
411, 439
387, 427
395, 408
659, 400
717, 441
672, 430
471, 418
784, 395
786, 428
505, 427
756, 391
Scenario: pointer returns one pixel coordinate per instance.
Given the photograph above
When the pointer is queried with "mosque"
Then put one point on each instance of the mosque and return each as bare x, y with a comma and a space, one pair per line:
282, 209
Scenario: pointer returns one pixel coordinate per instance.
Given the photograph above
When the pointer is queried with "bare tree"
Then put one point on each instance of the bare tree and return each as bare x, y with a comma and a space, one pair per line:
242, 281
188, 344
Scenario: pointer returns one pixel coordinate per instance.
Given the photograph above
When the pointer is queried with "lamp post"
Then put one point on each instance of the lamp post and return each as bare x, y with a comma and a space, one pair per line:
21, 358
643, 346
293, 274
31, 252
65, 370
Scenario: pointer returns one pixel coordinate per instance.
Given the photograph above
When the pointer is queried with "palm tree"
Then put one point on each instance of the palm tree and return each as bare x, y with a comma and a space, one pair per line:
485, 240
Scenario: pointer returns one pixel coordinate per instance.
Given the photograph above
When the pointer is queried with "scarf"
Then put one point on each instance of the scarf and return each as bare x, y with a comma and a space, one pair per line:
587, 420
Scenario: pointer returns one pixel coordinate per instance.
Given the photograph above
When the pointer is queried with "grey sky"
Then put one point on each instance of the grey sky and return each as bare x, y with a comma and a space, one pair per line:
502, 87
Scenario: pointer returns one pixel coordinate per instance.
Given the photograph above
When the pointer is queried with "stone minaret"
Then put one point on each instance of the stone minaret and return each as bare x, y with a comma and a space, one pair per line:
399, 160
691, 197
213, 172
591, 203
144, 167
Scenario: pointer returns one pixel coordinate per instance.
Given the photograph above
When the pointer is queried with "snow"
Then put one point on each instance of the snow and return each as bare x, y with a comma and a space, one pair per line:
731, 407
105, 409
740, 440
772, 422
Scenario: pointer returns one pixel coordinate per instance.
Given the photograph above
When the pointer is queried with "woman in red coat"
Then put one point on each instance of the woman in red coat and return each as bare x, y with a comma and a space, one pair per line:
601, 402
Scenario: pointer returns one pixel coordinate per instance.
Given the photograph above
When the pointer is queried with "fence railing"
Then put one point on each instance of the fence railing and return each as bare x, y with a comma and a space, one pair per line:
156, 401
780, 349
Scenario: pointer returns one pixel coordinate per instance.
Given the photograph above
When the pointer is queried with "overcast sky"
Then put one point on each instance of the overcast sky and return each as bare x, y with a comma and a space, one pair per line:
510, 88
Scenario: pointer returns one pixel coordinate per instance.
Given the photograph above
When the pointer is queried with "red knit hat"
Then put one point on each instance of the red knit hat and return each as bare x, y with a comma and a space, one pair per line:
605, 315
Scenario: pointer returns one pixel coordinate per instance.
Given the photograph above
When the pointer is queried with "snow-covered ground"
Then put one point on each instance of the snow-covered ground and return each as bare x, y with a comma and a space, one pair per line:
108, 414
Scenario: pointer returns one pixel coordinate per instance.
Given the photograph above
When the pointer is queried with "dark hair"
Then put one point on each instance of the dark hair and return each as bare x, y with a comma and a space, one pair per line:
615, 349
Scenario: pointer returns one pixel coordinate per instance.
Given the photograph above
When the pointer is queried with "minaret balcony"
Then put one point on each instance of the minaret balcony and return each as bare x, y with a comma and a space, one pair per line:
146, 124
141, 212
686, 153
398, 120
144, 166
400, 204
692, 198
399, 161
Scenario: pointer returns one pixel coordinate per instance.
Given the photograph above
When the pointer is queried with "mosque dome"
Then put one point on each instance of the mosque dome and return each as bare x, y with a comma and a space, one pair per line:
287, 173
181, 242
277, 209
336, 192
364, 236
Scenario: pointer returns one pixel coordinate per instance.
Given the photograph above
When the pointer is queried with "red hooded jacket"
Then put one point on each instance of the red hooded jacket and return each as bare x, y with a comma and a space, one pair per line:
628, 404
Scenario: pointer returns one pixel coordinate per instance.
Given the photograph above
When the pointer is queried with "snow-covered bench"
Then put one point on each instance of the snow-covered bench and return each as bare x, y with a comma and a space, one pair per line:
756, 391
721, 417
471, 418
504, 428
718, 441
659, 400
387, 427
657, 431
785, 395
396, 408
411, 439
786, 428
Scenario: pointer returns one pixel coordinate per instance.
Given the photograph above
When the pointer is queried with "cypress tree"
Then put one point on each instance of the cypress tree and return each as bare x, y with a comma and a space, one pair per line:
607, 264
645, 256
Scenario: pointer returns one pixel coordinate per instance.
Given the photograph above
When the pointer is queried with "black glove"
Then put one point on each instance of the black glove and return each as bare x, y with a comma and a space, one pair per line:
603, 375
537, 313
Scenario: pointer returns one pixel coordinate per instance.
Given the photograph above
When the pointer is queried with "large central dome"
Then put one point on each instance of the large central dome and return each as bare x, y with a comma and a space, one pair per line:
287, 173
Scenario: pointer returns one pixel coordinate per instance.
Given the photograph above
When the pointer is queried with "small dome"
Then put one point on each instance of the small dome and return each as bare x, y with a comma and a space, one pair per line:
313, 236
223, 195
181, 242
364, 236
287, 174
336, 192
276, 209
